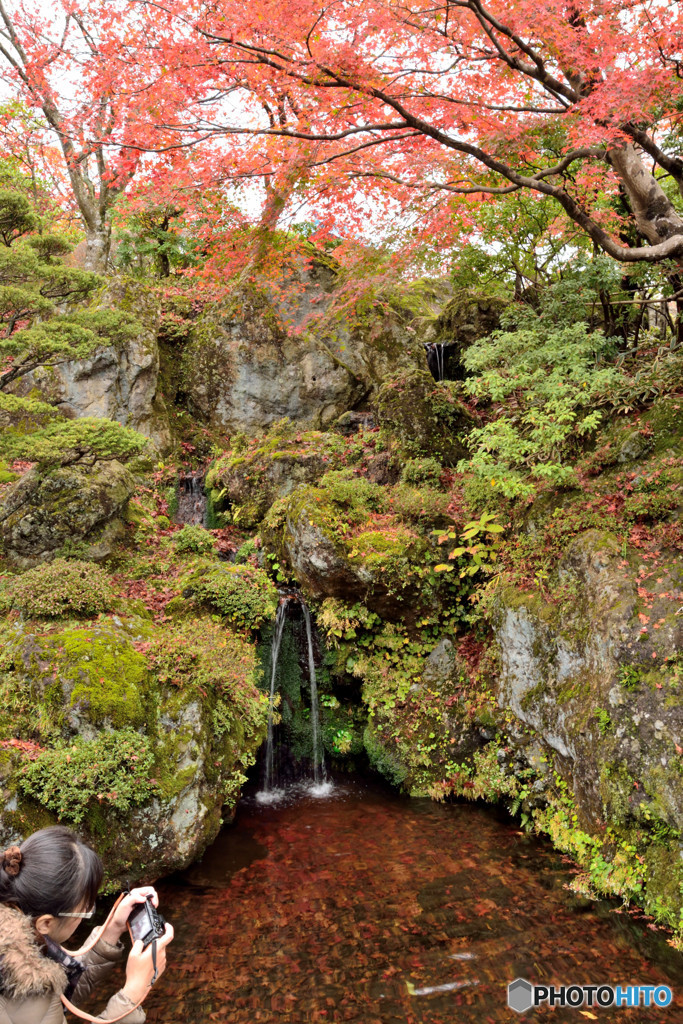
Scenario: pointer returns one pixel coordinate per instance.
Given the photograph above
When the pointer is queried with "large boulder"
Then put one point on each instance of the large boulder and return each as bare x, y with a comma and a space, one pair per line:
264, 357
82, 505
424, 417
135, 734
334, 548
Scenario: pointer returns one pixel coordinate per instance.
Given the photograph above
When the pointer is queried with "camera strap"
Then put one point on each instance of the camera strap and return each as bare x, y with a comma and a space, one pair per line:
86, 949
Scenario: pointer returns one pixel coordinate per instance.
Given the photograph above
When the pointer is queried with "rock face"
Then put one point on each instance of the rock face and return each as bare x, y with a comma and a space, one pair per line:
467, 317
146, 769
71, 504
254, 365
596, 680
117, 382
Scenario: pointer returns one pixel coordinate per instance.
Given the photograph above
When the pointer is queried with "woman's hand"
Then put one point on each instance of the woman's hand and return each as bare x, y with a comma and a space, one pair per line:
113, 931
140, 968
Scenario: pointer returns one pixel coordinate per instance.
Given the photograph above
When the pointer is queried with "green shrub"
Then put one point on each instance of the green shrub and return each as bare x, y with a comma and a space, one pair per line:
113, 769
61, 588
196, 539
543, 382
422, 471
242, 593
245, 551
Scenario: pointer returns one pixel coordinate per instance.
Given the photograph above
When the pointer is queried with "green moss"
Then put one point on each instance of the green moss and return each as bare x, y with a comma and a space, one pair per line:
108, 674
64, 587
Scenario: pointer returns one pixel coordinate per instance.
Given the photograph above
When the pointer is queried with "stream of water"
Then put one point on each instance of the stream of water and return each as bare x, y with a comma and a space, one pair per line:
369, 908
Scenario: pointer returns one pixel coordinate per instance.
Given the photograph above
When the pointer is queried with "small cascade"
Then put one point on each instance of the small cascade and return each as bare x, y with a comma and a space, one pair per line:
319, 774
435, 359
192, 503
268, 785
285, 776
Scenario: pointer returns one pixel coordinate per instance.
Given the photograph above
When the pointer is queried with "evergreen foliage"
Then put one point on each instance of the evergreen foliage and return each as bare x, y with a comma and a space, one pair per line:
113, 769
543, 381
67, 442
36, 332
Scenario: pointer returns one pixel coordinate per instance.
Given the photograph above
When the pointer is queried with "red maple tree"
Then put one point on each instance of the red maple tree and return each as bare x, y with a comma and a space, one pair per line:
579, 101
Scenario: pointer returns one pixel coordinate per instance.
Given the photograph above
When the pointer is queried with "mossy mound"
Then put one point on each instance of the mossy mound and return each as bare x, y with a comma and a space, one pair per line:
60, 589
424, 417
244, 594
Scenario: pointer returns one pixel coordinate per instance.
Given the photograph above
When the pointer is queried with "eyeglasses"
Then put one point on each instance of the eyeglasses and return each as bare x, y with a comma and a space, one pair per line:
87, 914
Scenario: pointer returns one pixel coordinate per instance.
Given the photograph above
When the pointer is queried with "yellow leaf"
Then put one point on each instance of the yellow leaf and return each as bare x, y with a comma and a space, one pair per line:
587, 1013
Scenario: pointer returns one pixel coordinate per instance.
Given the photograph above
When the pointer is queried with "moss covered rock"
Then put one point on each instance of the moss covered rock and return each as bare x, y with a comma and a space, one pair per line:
70, 505
118, 381
424, 417
598, 677
338, 542
252, 475
137, 734
256, 360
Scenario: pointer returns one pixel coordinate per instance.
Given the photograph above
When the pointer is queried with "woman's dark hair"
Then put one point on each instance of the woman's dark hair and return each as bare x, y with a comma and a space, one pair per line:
57, 874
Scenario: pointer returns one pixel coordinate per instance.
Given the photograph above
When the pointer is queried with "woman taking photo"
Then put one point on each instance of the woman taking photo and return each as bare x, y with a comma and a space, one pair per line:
47, 886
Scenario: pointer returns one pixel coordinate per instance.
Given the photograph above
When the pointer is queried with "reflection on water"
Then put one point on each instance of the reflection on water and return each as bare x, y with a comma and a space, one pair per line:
372, 909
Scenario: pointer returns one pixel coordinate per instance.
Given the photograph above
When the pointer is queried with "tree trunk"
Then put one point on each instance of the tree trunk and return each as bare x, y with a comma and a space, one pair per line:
98, 244
656, 217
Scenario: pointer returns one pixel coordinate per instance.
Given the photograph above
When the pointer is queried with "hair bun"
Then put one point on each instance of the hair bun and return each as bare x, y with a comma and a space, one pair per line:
11, 861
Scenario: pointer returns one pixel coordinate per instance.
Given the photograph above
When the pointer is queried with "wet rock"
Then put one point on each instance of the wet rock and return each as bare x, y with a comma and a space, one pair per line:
382, 469
71, 504
441, 666
351, 422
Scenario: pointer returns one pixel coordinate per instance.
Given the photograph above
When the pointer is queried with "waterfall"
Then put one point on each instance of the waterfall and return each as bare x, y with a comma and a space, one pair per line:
191, 499
318, 786
274, 654
435, 359
319, 774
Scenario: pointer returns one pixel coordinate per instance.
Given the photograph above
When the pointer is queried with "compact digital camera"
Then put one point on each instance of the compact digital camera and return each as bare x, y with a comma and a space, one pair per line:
146, 923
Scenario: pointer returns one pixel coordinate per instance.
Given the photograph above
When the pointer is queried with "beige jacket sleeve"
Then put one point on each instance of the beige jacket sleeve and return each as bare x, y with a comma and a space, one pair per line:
99, 962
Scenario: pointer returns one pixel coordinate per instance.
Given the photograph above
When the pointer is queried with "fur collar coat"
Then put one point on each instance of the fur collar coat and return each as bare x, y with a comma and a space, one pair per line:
31, 984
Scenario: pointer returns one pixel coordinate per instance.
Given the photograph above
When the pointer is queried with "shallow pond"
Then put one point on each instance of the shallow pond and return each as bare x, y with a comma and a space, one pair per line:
369, 908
